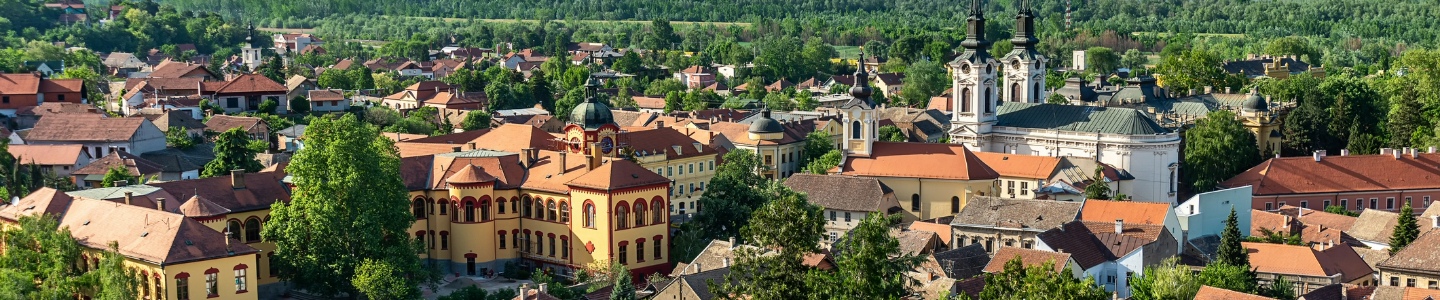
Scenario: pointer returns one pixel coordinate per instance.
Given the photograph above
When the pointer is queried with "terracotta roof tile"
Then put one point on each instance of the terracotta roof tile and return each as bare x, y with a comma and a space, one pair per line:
136, 165
1375, 225
665, 140
62, 85
1023, 166
326, 95
1305, 261
1035, 215
945, 232
198, 207
470, 174
52, 155
261, 190
251, 83
1214, 293
616, 174
19, 84
222, 123
920, 160
649, 102
85, 128
1423, 254
844, 192
177, 70
1137, 212
1319, 217
1274, 222
916, 242
1028, 257
43, 201
1298, 175
1077, 240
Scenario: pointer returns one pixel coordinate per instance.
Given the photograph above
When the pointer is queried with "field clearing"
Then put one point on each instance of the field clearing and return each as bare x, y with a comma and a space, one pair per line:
1167, 34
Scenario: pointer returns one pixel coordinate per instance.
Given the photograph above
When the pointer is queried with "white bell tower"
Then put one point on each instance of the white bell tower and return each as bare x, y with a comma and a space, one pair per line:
250, 55
1024, 67
974, 71
861, 122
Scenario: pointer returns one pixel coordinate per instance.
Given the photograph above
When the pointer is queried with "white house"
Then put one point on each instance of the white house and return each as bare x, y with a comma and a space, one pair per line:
1113, 252
134, 135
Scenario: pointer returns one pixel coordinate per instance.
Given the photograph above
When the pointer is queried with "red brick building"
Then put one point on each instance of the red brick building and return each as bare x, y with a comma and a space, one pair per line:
1357, 182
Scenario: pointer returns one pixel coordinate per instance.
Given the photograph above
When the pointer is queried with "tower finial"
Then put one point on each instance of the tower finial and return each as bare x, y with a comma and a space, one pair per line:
591, 85
975, 8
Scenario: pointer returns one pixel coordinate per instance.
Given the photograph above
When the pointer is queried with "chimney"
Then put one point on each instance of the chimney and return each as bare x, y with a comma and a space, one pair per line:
471, 145
1318, 156
543, 289
732, 243
726, 262
1384, 151
590, 162
1227, 90
227, 240
1344, 152
561, 162
1209, 89
1435, 221
1432, 149
237, 179
1394, 153
1286, 225
1414, 153
1119, 226
524, 290
128, 198
525, 157
659, 124
593, 159
160, 204
119, 183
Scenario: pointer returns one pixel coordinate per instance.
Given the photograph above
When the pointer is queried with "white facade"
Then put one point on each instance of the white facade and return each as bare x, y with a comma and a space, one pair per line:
1024, 79
1205, 214
1152, 159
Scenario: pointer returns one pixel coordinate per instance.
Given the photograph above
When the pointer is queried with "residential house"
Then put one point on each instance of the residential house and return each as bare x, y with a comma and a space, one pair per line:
589, 48
456, 102
846, 200
695, 77
1203, 216
514, 60
890, 83
729, 71
290, 138
695, 285
1111, 252
779, 145
47, 68
256, 128
27, 117
1417, 265
93, 174
297, 86
649, 104
918, 125
1406, 293
122, 64
963, 262
246, 92
1134, 212
96, 133
1021, 175
181, 164
951, 175
1356, 182
313, 49
1059, 262
328, 100
1308, 268
174, 256
286, 42
71, 11
1288, 225
416, 95
1279, 67
411, 68
1213, 293
19, 91
57, 159
173, 69
168, 119
996, 222
688, 163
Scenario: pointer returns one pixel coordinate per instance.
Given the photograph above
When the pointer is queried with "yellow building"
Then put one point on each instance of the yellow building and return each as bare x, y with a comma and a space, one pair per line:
556, 211
1256, 114
689, 164
174, 256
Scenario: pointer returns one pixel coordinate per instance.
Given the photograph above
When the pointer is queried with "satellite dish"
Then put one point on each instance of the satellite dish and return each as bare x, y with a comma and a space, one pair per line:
14, 199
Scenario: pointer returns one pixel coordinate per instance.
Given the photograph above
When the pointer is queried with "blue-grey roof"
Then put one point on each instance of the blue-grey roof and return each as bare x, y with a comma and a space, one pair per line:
1077, 118
478, 153
114, 192
1194, 109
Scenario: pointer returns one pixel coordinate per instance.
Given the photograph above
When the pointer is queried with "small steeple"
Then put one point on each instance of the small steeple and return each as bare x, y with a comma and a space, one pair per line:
975, 31
1024, 27
591, 85
861, 90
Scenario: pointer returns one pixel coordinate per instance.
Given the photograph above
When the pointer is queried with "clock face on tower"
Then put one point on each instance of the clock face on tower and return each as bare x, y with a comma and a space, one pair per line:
606, 145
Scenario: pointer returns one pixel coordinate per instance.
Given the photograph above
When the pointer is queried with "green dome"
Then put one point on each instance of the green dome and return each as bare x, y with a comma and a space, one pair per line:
1254, 103
591, 114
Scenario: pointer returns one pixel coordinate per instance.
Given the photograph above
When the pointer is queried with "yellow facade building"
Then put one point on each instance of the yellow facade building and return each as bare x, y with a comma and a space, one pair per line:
1256, 115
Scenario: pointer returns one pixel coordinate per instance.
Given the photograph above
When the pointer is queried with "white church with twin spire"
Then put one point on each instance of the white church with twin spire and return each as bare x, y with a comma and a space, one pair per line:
999, 106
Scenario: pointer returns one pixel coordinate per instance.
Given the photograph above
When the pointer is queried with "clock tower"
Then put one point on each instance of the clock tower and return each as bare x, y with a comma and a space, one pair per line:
591, 123
1024, 67
974, 91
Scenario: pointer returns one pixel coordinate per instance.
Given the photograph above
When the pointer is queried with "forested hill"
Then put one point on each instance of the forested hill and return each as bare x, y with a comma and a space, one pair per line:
1405, 20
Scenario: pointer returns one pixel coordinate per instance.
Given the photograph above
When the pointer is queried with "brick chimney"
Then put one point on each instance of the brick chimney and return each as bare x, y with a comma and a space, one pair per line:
561, 162
160, 204
237, 179
1119, 226
129, 198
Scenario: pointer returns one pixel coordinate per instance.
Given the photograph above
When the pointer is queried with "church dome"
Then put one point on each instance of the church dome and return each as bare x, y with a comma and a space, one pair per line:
591, 114
1255, 103
765, 124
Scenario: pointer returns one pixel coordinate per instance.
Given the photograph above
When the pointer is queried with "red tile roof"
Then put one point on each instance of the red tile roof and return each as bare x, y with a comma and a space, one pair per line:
1138, 212
616, 174
119, 158
19, 84
177, 70
222, 123
52, 155
252, 83
1023, 166
85, 128
326, 95
1028, 257
1302, 175
1305, 261
470, 174
62, 86
198, 207
920, 160
261, 190
1213, 293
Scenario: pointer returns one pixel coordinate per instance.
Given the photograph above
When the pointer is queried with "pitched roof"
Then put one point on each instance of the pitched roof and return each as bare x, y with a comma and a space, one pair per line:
1349, 173
1213, 293
222, 123
616, 174
1077, 118
58, 108
514, 138
19, 84
1423, 254
1028, 258
919, 160
252, 83
847, 193
134, 164
665, 139
1328, 292
198, 207
85, 128
261, 190
1263, 220
61, 85
1092, 243
177, 69
173, 118
1035, 215
1403, 293
470, 174
943, 230
1320, 217
1023, 166
1139, 212
1306, 261
147, 234
1375, 225
42, 201
68, 154
915, 242
326, 95
963, 262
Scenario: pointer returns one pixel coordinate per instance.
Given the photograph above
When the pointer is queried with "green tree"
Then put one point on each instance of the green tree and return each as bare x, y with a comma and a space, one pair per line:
890, 133
1281, 288
1099, 187
664, 87
623, 289
299, 105
39, 263
1190, 70
178, 138
476, 120
870, 264
117, 173
1057, 98
336, 79
672, 101
268, 106
817, 143
232, 153
623, 99
1133, 59
1101, 60
1217, 148
1231, 277
379, 280
1340, 210
1230, 251
1018, 282
805, 102
1167, 281
783, 230
824, 163
347, 207
732, 196
1406, 229
923, 79
1293, 45
628, 63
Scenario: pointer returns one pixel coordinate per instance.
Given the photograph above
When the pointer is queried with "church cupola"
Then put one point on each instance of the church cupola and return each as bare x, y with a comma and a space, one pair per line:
860, 121
591, 123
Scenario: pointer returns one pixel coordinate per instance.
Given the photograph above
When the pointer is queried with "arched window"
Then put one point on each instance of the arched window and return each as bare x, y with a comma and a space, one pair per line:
855, 129
955, 204
1035, 93
469, 211
233, 228
550, 210
500, 204
657, 214
964, 100
539, 209
622, 216
640, 213
589, 215
252, 230
419, 208
485, 210
989, 101
515, 204
564, 212
443, 205
526, 209
915, 202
